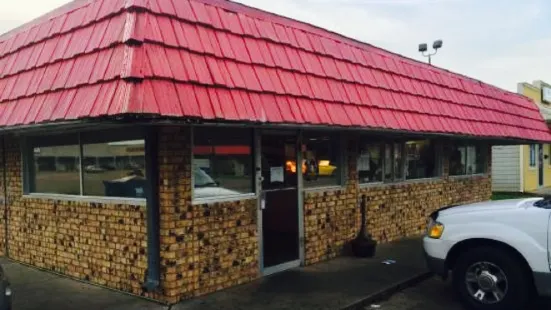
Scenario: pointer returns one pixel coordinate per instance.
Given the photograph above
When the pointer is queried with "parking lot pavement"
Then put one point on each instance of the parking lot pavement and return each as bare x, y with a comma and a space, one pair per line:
433, 294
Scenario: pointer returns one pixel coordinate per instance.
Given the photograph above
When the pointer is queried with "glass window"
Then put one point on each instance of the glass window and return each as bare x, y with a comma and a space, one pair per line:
370, 163
388, 160
56, 167
420, 160
394, 162
111, 167
398, 162
321, 160
222, 162
115, 169
532, 155
467, 159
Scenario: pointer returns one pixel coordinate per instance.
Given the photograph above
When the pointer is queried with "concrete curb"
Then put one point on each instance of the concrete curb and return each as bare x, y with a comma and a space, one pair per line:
387, 292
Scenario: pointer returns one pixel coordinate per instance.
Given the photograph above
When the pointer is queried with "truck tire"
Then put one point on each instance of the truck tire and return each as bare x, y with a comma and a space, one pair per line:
491, 278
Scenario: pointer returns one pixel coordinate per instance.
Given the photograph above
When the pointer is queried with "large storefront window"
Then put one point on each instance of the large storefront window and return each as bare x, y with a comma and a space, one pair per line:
420, 159
321, 160
394, 162
105, 164
222, 162
467, 160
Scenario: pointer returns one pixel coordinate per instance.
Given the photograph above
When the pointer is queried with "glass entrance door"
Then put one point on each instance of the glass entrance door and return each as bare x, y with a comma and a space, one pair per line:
279, 204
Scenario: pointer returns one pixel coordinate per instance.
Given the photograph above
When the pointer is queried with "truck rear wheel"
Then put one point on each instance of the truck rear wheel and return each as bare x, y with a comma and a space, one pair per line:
490, 278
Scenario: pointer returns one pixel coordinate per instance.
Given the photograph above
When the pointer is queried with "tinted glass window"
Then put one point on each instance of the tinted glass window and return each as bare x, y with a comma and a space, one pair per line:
222, 162
320, 154
113, 164
115, 168
467, 159
370, 163
420, 159
56, 169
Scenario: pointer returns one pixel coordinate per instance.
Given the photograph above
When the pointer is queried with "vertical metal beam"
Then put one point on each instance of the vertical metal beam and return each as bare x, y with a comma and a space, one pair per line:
257, 142
6, 205
81, 163
153, 276
300, 199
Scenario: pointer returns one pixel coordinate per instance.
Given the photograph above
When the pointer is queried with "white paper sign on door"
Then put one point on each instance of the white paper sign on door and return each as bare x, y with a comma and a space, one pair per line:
276, 174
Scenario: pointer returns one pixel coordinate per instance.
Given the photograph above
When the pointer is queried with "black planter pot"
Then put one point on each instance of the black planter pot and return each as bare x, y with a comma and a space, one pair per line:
363, 246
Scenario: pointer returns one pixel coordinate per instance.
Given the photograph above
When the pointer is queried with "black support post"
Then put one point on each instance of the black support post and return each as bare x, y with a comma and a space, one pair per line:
153, 275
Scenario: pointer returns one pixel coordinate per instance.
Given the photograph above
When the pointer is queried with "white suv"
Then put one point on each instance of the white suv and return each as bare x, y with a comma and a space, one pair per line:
498, 251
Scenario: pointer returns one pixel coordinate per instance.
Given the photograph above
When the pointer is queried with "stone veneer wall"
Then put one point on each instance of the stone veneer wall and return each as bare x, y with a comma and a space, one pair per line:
394, 211
401, 210
204, 248
101, 243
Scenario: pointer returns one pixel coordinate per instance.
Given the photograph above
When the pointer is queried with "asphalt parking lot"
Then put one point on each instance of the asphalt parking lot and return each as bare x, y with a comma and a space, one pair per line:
434, 294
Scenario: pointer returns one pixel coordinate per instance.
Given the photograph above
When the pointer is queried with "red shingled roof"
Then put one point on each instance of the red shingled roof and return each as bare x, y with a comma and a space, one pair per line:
218, 60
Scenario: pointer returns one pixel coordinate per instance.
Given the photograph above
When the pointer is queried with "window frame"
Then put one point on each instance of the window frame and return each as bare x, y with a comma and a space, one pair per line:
466, 145
230, 198
80, 138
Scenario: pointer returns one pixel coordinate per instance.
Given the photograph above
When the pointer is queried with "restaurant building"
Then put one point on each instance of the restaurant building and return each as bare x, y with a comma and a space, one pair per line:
171, 149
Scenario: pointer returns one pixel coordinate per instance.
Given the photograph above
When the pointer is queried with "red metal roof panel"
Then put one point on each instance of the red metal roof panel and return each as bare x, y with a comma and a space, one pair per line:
83, 102
239, 49
187, 99
291, 59
183, 10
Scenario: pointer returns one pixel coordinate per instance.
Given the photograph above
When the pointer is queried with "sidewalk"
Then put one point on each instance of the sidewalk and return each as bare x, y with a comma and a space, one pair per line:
343, 283
35, 289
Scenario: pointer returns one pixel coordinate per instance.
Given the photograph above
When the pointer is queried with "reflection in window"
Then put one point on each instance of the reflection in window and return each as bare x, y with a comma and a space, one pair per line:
420, 159
56, 169
111, 167
467, 159
115, 169
370, 163
222, 162
321, 160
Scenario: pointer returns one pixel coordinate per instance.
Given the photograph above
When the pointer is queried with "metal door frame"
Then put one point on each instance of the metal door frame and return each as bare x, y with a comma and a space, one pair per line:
258, 133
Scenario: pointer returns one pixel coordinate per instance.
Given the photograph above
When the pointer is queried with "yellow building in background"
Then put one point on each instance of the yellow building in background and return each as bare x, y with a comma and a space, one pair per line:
525, 168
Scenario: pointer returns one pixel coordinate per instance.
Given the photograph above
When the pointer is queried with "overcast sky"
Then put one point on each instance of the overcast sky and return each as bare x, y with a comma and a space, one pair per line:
498, 41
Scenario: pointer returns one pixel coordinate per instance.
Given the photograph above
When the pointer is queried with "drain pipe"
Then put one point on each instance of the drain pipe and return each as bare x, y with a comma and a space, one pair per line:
153, 275
5, 181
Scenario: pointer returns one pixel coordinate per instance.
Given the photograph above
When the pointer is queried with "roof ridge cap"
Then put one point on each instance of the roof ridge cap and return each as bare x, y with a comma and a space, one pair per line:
133, 51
